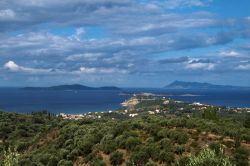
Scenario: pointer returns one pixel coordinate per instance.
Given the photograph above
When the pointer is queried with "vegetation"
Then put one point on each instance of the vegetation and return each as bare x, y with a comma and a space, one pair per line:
208, 138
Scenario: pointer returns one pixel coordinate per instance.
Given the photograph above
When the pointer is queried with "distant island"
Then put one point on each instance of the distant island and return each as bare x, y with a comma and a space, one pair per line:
72, 87
198, 85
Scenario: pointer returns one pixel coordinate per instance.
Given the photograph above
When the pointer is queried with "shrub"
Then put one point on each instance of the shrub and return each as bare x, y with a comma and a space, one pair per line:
116, 158
241, 156
53, 160
179, 136
216, 147
153, 150
247, 121
207, 157
120, 141
166, 144
179, 150
97, 162
183, 161
63, 153
131, 143
109, 146
11, 158
65, 163
246, 137
139, 157
164, 133
85, 147
166, 157
21, 146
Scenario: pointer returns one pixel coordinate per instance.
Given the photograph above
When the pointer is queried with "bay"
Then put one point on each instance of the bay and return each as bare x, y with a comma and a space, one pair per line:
76, 102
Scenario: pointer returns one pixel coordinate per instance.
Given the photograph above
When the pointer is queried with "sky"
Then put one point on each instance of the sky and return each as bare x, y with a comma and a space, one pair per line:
128, 43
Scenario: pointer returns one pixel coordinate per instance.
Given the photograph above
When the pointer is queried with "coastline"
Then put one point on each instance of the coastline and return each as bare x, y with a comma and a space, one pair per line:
129, 107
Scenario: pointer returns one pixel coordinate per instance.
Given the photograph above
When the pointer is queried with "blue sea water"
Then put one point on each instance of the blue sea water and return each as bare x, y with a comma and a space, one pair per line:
23, 101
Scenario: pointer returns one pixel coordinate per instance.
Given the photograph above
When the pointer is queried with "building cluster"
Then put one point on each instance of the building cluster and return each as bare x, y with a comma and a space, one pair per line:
95, 115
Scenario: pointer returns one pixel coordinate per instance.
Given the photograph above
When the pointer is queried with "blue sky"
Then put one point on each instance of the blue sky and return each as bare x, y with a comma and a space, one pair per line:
129, 43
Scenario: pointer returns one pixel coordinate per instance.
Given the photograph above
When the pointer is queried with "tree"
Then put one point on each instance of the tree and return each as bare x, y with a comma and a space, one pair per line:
116, 158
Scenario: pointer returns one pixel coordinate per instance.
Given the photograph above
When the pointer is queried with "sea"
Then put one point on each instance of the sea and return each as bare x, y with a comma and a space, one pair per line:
78, 102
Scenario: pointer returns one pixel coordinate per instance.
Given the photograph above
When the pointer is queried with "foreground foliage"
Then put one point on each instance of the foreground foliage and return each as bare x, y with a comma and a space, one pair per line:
41, 139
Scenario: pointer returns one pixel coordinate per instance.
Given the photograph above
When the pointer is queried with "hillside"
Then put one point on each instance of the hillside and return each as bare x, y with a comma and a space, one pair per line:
173, 136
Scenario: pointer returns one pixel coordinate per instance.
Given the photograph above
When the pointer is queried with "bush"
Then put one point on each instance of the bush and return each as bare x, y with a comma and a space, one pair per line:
131, 143
120, 141
85, 147
139, 157
241, 156
207, 157
53, 160
183, 161
216, 147
179, 150
42, 158
179, 136
11, 158
166, 144
109, 146
65, 163
97, 162
247, 121
153, 150
166, 157
116, 158
246, 137
63, 153
164, 133
21, 146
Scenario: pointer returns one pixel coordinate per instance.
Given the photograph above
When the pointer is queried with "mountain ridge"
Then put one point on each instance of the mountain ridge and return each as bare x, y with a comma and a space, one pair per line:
200, 85
72, 87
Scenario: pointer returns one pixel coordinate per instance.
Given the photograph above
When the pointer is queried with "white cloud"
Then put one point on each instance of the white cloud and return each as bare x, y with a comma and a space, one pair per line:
243, 67
94, 70
85, 56
78, 33
202, 66
12, 66
7, 14
230, 53
88, 70
172, 4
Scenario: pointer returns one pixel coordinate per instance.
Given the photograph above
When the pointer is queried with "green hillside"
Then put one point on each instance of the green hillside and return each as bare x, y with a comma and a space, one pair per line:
205, 138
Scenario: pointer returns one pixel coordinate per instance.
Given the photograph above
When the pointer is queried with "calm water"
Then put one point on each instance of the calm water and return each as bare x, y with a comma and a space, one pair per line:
17, 100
